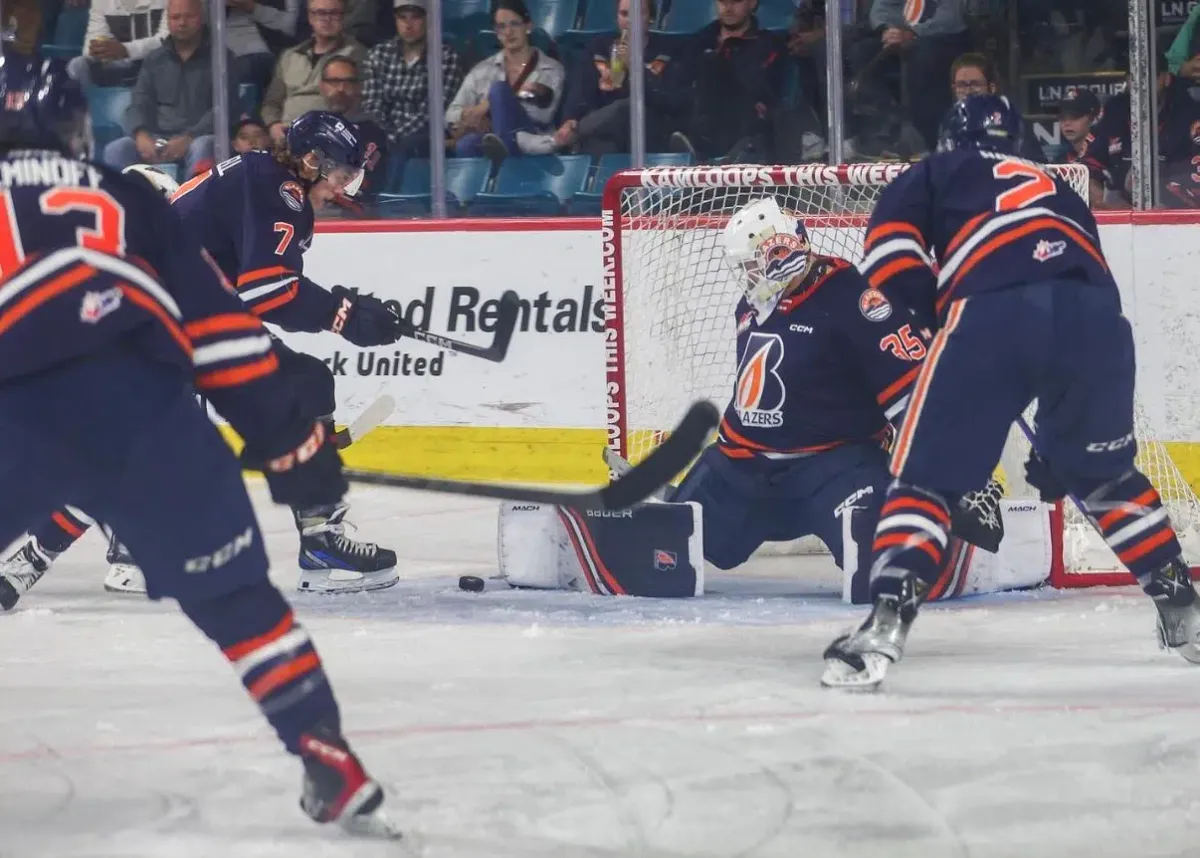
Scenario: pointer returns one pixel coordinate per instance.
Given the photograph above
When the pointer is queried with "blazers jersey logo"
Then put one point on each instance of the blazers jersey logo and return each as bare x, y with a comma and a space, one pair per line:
759, 394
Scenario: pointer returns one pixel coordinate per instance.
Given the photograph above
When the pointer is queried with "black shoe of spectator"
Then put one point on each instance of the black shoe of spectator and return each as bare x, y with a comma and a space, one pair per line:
494, 148
680, 142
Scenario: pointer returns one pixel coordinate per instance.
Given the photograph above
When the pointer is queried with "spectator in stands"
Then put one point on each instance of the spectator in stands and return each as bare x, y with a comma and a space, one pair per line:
250, 135
1113, 144
170, 118
739, 84
396, 82
598, 108
248, 25
296, 87
508, 101
1183, 57
118, 38
23, 19
928, 35
975, 74
1076, 113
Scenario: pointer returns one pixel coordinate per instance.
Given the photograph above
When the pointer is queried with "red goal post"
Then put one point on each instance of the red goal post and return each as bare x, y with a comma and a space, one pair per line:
669, 300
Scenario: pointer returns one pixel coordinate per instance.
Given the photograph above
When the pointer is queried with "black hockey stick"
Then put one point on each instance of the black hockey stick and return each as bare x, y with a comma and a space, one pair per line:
506, 324
642, 480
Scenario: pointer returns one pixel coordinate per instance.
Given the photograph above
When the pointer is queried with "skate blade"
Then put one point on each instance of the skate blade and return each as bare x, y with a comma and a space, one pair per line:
1188, 651
845, 677
368, 585
372, 823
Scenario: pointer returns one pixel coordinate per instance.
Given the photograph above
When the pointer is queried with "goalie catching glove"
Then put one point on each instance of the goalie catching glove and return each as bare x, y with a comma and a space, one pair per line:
301, 473
363, 319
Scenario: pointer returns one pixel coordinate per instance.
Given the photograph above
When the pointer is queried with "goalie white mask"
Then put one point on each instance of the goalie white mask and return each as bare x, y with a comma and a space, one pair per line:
769, 249
161, 182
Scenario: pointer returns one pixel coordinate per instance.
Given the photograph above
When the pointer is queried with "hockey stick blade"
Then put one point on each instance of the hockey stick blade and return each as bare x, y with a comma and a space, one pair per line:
506, 325
374, 414
639, 483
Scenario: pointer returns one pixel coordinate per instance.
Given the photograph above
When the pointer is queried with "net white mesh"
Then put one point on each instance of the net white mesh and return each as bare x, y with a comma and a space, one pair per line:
671, 333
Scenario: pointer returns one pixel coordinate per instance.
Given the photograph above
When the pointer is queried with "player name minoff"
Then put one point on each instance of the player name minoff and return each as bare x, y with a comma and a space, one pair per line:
47, 171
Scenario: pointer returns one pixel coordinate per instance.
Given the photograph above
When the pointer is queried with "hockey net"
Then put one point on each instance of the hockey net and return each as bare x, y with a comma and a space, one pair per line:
670, 336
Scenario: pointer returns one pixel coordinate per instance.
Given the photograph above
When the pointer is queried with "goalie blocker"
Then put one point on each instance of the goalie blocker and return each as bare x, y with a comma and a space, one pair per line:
657, 550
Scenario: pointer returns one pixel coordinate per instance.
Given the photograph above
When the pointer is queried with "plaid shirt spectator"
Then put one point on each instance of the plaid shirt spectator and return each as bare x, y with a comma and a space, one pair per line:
398, 93
395, 91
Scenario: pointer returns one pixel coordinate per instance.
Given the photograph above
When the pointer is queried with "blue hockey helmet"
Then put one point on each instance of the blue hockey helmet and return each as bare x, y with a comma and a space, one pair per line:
41, 105
987, 122
328, 144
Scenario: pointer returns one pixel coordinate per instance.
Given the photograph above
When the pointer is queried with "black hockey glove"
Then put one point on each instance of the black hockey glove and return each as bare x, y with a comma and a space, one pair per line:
302, 473
976, 517
1039, 476
363, 319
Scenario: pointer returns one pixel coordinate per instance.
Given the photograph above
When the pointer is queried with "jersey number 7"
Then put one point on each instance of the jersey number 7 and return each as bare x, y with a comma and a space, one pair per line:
108, 236
1035, 186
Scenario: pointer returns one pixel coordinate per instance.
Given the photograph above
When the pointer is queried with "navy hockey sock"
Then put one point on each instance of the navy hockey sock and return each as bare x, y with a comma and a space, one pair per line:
274, 656
910, 539
1130, 515
60, 531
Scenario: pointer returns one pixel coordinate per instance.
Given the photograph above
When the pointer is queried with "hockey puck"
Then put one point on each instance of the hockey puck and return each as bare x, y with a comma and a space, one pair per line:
471, 584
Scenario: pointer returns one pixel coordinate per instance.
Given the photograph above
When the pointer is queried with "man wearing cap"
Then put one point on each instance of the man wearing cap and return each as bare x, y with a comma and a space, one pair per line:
1076, 113
296, 87
396, 82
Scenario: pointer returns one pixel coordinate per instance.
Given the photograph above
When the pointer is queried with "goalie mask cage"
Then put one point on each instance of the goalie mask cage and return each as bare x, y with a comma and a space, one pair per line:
670, 337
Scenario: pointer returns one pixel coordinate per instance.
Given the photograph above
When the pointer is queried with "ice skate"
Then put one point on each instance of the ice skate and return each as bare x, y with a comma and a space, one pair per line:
337, 789
331, 562
124, 575
1178, 609
22, 570
860, 660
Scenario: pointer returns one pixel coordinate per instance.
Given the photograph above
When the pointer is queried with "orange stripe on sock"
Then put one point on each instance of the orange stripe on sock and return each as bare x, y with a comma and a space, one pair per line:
927, 545
1145, 499
279, 676
243, 649
938, 513
1147, 545
68, 527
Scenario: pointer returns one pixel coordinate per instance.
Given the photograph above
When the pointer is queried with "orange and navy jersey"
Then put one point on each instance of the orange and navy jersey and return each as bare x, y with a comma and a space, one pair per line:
91, 260
255, 219
831, 365
990, 221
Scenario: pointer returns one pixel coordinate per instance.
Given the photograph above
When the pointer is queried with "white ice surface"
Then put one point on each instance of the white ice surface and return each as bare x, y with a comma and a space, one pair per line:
518, 724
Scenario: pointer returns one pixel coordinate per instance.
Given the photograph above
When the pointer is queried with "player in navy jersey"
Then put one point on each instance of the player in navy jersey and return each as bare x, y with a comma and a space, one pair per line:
254, 215
825, 363
1027, 309
111, 317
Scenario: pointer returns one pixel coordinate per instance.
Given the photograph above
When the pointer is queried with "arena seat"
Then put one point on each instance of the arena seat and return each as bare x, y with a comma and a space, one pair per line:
534, 185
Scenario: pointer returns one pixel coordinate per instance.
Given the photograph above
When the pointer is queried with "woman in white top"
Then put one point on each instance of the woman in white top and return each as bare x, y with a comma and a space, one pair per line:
508, 101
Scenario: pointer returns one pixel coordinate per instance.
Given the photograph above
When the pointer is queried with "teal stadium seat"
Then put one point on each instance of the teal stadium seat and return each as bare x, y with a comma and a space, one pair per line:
407, 188
69, 32
108, 105
534, 185
247, 100
464, 17
587, 202
688, 16
775, 14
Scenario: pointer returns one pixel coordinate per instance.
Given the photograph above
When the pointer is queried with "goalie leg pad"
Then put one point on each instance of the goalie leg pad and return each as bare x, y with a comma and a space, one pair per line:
650, 550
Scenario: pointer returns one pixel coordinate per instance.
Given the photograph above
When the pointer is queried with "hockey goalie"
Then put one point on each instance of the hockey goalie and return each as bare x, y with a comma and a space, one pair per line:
825, 360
